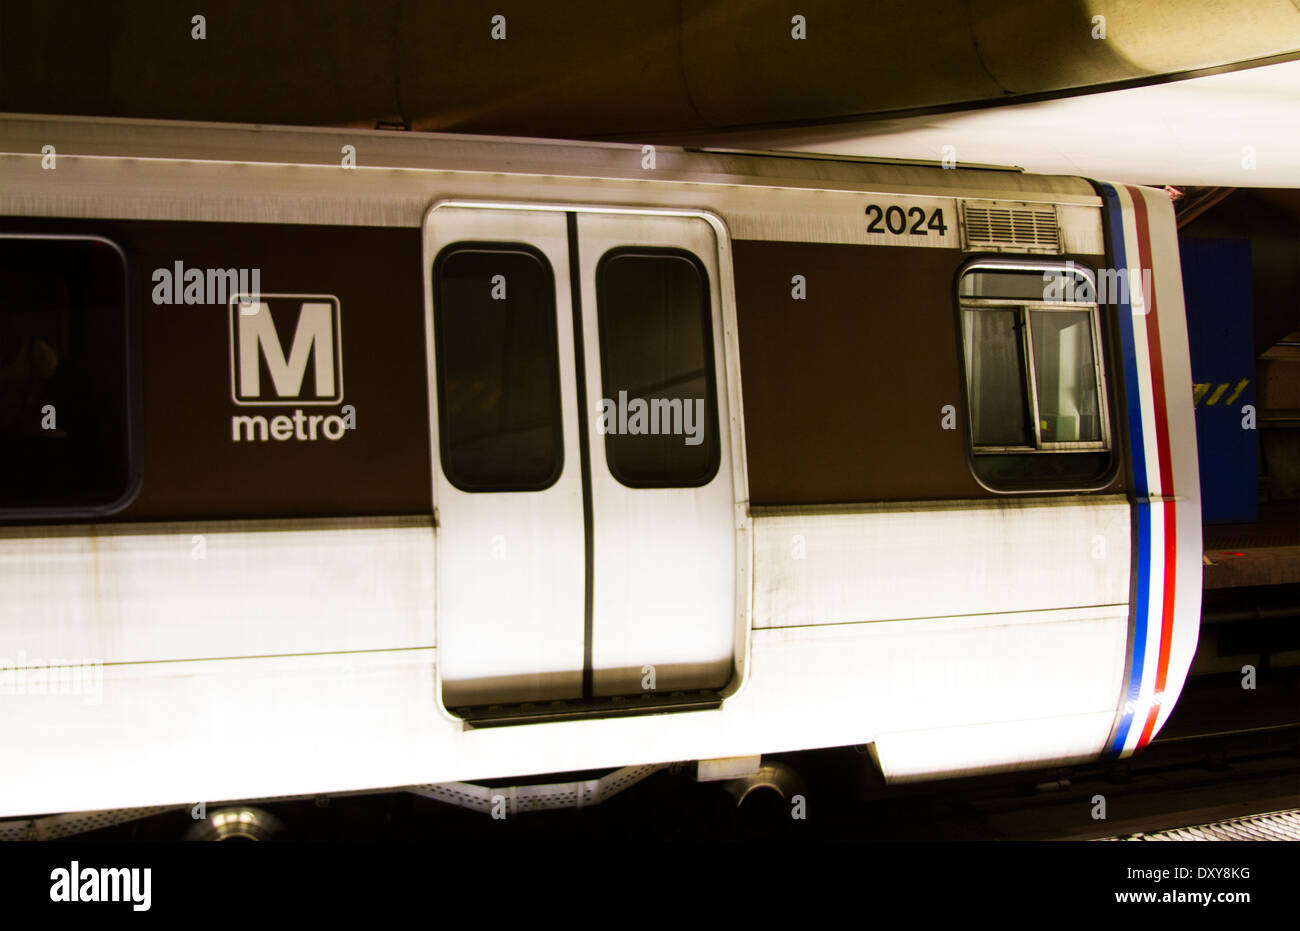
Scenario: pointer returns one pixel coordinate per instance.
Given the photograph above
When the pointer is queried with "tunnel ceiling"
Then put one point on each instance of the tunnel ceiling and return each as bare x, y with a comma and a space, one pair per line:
599, 69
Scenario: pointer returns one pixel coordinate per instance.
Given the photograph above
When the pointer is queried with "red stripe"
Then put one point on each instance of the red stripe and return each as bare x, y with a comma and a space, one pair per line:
1166, 621
1153, 343
1166, 466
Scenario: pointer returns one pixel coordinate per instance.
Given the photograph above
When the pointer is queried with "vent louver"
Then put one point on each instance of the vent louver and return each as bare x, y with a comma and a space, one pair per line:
1003, 226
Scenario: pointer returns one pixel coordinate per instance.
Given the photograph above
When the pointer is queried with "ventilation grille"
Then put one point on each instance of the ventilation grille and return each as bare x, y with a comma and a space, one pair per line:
1000, 226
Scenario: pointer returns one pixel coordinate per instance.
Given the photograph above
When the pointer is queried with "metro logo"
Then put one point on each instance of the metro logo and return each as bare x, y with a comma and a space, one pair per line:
255, 338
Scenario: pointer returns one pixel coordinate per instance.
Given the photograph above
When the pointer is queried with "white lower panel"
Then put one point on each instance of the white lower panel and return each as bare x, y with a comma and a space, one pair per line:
980, 748
935, 672
827, 566
120, 594
171, 733
942, 692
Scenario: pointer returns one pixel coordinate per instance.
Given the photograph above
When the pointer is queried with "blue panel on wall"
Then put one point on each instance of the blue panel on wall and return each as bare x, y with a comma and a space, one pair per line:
1221, 331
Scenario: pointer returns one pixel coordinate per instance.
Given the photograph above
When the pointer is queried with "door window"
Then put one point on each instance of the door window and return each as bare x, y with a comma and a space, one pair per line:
658, 405
498, 372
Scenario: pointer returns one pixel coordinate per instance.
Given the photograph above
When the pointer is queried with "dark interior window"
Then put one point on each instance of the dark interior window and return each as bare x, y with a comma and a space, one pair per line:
498, 370
64, 376
659, 402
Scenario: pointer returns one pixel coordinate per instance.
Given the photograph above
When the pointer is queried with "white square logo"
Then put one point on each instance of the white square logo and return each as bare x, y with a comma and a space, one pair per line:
262, 373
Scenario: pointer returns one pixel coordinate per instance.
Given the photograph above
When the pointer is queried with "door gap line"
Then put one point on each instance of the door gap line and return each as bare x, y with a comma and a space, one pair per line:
584, 455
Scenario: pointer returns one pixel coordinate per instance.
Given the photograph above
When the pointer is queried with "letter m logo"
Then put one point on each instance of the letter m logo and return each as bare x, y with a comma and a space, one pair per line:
262, 372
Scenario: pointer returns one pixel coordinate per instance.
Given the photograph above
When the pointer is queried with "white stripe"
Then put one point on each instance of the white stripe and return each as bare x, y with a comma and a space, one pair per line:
1142, 349
1155, 611
1151, 463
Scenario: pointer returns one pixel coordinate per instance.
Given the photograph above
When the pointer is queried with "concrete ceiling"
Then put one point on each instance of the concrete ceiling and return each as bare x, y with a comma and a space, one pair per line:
1235, 129
593, 68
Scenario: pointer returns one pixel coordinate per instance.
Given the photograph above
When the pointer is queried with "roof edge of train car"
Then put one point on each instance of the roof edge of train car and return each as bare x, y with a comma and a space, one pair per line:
24, 134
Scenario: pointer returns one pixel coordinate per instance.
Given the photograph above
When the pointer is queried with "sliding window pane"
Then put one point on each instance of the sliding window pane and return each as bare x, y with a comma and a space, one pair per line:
1065, 372
995, 378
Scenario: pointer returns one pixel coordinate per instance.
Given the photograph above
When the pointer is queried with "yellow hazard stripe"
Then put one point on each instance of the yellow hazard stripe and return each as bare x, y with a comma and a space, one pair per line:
1200, 390
1241, 386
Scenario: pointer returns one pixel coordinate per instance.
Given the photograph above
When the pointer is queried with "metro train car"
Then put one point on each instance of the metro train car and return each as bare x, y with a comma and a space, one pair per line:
338, 460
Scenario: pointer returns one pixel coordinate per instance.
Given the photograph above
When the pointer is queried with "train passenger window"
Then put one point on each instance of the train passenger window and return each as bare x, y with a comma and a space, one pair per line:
995, 366
1065, 375
1034, 386
65, 377
497, 367
659, 401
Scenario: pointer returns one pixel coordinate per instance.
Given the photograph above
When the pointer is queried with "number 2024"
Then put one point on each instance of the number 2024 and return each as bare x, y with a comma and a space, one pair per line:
896, 221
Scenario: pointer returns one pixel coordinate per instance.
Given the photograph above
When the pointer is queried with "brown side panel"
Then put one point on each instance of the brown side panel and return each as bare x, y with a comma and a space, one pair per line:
844, 390
192, 469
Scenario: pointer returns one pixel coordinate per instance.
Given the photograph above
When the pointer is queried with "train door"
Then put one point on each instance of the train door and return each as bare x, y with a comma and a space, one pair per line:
584, 474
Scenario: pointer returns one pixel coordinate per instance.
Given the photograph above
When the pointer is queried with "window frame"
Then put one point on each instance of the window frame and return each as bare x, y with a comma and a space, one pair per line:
456, 481
1025, 307
132, 414
710, 352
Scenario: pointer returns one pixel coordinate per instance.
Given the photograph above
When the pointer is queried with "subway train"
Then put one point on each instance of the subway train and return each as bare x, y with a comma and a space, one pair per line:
337, 460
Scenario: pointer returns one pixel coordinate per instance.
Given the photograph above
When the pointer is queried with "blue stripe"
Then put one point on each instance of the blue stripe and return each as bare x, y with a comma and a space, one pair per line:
1141, 607
1129, 347
1141, 491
